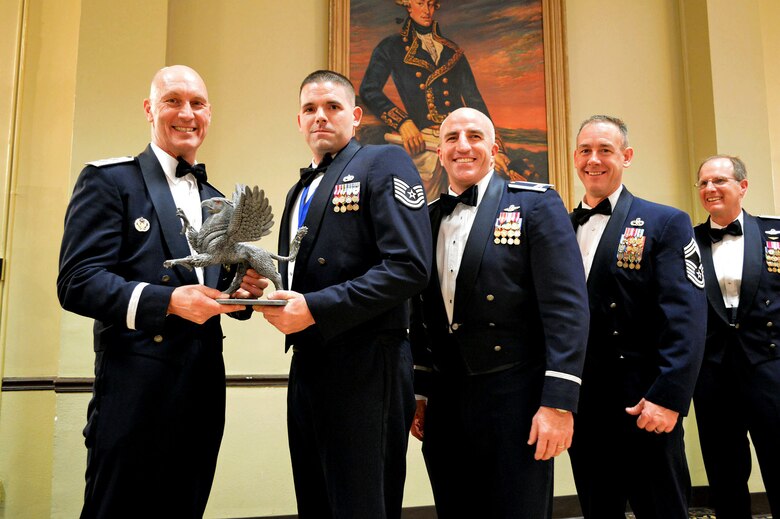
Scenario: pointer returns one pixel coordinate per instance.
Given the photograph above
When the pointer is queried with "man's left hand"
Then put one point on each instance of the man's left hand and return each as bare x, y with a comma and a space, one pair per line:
552, 431
653, 417
290, 318
252, 285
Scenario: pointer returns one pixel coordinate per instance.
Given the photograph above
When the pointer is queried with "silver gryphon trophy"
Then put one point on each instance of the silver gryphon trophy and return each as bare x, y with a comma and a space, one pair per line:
221, 239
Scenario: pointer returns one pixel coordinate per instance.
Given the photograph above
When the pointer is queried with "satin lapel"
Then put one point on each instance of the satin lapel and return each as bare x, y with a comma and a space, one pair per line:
321, 201
164, 206
284, 231
751, 265
210, 273
481, 232
711, 284
606, 252
435, 283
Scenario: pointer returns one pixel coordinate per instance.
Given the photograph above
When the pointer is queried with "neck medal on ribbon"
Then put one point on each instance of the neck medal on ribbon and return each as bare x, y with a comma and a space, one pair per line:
632, 244
507, 229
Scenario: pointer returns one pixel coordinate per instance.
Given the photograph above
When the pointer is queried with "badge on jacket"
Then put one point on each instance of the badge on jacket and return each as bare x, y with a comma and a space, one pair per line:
630, 248
772, 255
412, 197
694, 270
346, 197
507, 228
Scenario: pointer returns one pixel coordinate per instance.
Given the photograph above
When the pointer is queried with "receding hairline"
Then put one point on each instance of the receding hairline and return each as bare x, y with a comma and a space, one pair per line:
489, 129
183, 70
737, 165
617, 122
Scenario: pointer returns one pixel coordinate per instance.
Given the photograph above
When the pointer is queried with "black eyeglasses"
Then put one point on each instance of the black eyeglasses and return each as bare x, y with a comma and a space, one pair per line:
717, 182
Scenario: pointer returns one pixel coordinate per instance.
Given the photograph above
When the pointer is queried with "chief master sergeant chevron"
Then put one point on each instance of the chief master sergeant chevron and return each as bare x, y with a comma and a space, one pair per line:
367, 251
498, 335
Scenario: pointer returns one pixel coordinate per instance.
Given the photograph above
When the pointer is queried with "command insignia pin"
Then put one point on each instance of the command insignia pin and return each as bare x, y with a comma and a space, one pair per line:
141, 224
638, 222
348, 178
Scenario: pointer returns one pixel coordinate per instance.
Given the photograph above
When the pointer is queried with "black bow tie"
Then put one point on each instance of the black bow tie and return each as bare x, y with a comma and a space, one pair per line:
581, 215
734, 229
308, 174
447, 202
198, 170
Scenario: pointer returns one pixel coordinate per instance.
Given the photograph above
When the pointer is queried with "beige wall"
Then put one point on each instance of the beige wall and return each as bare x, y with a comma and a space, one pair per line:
666, 67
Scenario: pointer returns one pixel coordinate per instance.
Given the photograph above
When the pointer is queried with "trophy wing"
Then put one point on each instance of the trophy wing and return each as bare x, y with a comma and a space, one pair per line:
252, 217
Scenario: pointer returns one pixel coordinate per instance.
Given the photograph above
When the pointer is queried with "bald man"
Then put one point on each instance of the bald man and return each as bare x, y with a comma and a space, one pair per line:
157, 413
498, 336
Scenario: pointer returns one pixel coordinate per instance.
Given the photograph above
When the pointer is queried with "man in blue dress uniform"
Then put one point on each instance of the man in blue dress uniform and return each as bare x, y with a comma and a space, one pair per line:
646, 340
498, 335
739, 386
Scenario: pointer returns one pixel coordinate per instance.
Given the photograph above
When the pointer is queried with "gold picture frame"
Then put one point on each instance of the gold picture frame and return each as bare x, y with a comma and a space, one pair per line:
555, 79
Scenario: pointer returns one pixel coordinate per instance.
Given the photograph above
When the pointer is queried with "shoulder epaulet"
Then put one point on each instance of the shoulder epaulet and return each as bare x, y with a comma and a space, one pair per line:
769, 216
529, 186
109, 162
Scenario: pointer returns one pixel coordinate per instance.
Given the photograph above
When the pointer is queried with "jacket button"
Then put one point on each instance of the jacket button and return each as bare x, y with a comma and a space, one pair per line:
455, 326
497, 348
769, 324
736, 326
158, 338
613, 305
447, 103
772, 345
491, 325
418, 74
422, 86
321, 261
446, 92
490, 297
767, 302
616, 333
445, 80
165, 278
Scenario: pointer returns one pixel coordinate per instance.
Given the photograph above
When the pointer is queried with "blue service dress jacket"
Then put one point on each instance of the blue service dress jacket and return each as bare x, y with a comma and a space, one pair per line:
756, 330
519, 298
649, 311
120, 227
360, 262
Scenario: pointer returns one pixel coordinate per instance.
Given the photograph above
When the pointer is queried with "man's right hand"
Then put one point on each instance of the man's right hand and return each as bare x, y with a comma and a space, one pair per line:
196, 303
418, 423
413, 139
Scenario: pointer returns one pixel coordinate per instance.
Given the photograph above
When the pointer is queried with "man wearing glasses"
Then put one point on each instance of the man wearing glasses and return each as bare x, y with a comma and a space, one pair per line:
738, 390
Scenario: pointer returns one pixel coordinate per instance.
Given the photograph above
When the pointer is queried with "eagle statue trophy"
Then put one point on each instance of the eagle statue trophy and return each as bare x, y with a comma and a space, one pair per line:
221, 239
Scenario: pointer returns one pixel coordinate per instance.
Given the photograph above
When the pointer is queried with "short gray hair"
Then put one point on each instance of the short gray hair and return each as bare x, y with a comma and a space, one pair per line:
618, 122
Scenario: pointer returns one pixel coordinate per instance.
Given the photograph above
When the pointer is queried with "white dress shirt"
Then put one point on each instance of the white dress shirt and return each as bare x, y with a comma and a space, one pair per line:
294, 224
186, 196
589, 234
454, 230
727, 257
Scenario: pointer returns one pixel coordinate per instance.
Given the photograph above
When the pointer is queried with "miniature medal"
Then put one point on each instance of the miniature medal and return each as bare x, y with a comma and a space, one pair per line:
630, 248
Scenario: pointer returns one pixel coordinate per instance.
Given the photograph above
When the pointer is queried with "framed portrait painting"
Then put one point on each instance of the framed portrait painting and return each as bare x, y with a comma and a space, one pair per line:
414, 61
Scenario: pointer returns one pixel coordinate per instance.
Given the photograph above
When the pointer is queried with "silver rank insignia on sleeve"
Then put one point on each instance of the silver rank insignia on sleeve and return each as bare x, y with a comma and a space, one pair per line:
693, 267
412, 197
